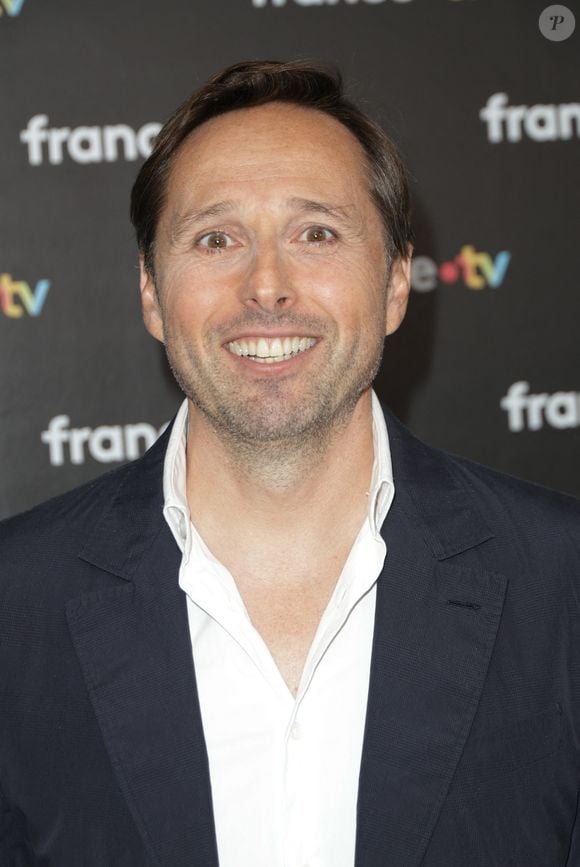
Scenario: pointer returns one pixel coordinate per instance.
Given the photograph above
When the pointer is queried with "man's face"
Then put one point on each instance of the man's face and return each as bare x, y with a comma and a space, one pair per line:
270, 286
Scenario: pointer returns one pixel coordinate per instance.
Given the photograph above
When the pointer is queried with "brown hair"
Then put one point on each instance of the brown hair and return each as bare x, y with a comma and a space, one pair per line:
255, 83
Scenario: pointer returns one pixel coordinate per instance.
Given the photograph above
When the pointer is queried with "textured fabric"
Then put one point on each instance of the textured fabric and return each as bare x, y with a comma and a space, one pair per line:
471, 746
284, 770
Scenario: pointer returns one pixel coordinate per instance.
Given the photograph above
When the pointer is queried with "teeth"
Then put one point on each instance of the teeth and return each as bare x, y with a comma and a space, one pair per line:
268, 351
273, 358
276, 347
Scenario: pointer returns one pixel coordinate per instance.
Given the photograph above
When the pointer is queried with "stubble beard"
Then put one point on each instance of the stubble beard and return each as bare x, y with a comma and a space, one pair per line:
264, 437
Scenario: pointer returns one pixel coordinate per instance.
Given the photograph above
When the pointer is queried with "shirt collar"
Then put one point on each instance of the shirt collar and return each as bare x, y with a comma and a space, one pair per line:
176, 511
382, 490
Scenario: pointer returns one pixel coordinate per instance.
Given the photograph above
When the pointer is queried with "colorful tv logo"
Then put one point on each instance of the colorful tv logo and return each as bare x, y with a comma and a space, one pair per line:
11, 7
17, 298
477, 270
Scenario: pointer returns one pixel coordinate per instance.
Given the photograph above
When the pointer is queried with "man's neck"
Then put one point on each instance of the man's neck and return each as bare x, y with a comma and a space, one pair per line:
273, 494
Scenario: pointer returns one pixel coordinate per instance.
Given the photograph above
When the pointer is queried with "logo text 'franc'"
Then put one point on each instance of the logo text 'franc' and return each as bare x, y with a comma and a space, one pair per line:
542, 122
86, 144
105, 444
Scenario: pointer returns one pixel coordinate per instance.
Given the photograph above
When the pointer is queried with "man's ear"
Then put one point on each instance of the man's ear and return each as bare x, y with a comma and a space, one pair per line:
150, 302
398, 291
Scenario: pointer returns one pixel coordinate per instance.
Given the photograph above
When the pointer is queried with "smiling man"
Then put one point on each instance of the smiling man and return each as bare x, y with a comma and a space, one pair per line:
291, 635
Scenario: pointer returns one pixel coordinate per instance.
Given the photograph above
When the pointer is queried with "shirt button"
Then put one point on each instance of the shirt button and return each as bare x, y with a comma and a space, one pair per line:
296, 734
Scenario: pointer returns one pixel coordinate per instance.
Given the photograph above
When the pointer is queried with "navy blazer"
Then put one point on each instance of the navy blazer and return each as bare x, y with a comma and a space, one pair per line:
471, 747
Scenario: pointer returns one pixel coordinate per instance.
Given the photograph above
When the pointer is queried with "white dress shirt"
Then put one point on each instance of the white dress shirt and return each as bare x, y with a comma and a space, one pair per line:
284, 770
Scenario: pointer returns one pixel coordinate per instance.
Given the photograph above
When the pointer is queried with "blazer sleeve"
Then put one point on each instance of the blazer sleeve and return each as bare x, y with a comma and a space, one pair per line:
13, 849
574, 853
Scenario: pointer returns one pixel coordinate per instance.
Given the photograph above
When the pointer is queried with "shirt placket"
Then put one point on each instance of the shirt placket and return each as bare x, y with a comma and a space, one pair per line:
298, 789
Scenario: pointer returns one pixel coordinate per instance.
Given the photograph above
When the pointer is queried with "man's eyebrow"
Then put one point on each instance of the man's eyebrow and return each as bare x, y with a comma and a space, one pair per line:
338, 212
182, 223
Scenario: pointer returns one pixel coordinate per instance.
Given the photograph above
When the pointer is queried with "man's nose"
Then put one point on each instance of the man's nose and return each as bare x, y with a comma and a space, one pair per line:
267, 284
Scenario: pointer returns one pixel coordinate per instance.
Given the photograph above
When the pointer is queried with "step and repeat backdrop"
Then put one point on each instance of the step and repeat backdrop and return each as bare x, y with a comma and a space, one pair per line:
483, 99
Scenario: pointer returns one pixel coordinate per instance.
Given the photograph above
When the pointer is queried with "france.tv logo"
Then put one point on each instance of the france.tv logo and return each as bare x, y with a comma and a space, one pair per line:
11, 7
18, 298
476, 269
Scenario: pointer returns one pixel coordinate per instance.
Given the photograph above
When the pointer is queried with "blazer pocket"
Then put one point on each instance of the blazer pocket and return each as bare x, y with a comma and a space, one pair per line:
504, 750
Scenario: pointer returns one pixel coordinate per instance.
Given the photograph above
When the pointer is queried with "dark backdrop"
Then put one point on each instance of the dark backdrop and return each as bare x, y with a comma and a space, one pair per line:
486, 364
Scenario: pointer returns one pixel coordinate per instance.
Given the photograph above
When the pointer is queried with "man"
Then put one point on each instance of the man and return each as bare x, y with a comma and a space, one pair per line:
291, 634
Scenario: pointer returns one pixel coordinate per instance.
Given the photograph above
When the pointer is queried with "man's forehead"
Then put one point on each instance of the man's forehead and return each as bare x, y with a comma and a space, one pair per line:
273, 116
268, 156
271, 135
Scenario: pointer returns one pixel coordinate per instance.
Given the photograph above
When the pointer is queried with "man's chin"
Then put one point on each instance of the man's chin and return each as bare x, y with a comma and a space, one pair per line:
266, 429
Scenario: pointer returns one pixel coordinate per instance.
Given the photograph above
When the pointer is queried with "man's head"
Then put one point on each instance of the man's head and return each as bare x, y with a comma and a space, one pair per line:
256, 83
268, 270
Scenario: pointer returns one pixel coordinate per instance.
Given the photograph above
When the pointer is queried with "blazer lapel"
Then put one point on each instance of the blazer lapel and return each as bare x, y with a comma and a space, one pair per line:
133, 644
435, 629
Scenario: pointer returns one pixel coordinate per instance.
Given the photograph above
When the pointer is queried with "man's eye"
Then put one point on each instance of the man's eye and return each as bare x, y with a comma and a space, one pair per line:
214, 241
317, 235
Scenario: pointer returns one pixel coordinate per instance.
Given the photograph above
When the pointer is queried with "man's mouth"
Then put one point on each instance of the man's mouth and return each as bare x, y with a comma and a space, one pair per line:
267, 351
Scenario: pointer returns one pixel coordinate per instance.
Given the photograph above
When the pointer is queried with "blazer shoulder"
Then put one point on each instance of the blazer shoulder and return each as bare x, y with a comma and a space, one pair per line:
529, 498
73, 514
71, 510
431, 469
531, 527
48, 536
535, 526
41, 549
